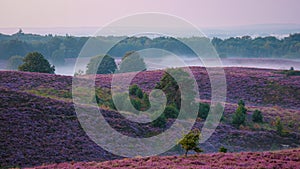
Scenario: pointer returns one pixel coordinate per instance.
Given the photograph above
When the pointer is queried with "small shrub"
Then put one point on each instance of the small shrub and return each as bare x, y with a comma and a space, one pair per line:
146, 101
223, 150
136, 104
241, 103
203, 110
139, 93
133, 89
279, 126
171, 112
257, 116
160, 122
190, 141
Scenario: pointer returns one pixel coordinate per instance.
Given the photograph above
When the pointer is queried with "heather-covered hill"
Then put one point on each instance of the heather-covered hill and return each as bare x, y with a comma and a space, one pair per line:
38, 124
278, 159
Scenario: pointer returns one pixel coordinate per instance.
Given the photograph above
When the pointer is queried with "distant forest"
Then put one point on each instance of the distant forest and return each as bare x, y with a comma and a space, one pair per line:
56, 48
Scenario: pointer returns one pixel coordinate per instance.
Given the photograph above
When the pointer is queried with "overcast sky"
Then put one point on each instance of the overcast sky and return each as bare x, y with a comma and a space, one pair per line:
203, 13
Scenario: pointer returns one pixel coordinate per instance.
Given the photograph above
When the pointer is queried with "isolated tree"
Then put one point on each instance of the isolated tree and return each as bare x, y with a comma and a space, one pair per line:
14, 62
257, 116
190, 141
101, 65
239, 116
132, 62
35, 62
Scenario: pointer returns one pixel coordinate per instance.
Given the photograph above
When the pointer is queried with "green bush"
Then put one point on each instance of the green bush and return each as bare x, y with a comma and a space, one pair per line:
146, 101
136, 104
190, 141
257, 116
171, 112
241, 103
160, 121
223, 150
203, 110
239, 116
101, 65
132, 89
139, 93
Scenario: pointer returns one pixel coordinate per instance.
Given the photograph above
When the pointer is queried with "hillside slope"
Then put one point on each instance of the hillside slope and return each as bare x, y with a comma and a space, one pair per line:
38, 123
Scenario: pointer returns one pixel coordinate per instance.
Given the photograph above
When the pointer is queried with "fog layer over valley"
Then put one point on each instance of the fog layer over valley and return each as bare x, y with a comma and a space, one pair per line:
269, 63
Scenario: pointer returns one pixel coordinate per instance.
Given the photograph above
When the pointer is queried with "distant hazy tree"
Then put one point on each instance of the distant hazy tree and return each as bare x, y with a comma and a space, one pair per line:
257, 116
190, 141
14, 62
35, 62
57, 57
132, 62
101, 65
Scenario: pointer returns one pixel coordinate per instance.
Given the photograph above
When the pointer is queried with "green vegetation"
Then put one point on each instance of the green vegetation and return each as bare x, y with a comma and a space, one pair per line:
57, 48
223, 150
190, 141
239, 116
35, 62
132, 62
107, 65
279, 126
257, 116
14, 62
52, 93
203, 110
290, 72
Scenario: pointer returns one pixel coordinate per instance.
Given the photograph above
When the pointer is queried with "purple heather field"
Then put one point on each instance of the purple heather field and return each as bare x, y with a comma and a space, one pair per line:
39, 126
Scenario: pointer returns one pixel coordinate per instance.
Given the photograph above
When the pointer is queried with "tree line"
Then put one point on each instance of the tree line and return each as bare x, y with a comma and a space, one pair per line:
57, 48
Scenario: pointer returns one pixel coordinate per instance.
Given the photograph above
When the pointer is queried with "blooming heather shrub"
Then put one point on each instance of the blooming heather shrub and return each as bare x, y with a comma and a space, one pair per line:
257, 116
190, 141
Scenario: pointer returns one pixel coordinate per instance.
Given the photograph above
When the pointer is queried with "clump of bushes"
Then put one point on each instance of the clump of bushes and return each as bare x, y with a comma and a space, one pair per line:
257, 116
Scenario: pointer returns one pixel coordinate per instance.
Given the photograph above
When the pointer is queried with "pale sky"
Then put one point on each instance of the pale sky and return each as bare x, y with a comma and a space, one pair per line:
202, 13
